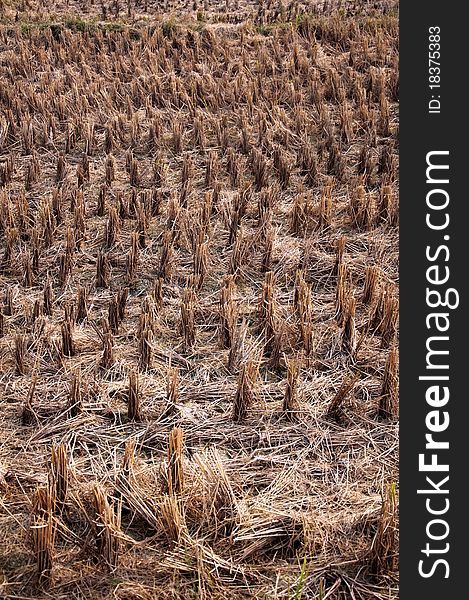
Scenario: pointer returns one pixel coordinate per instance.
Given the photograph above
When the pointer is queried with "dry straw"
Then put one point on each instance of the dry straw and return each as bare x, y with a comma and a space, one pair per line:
42, 532
383, 553
107, 523
245, 393
175, 465
389, 397
228, 311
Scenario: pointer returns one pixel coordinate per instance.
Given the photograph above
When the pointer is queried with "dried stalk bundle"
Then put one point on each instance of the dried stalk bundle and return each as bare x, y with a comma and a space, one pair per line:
336, 163
383, 552
70, 139
15, 213
389, 397
219, 502
103, 270
371, 282
11, 241
388, 326
57, 207
365, 218
69, 312
239, 208
133, 173
307, 162
238, 254
172, 393
388, 210
24, 219
107, 357
42, 532
173, 213
265, 206
8, 302
346, 123
177, 138
290, 398
268, 311
89, 144
75, 397
133, 398
66, 261
342, 292
156, 202
128, 461
111, 233
211, 170
259, 168
160, 172
357, 199
307, 339
245, 141
283, 168
20, 354
61, 169
175, 464
28, 276
228, 311
301, 214
187, 323
5, 174
335, 410
2, 324
366, 164
141, 225
33, 172
222, 133
238, 351
384, 122
59, 476
233, 168
116, 310
37, 311
79, 221
107, 527
245, 393
339, 255
157, 292
349, 334
303, 303
48, 224
173, 519
81, 303
47, 298
187, 172
68, 346
36, 252
110, 170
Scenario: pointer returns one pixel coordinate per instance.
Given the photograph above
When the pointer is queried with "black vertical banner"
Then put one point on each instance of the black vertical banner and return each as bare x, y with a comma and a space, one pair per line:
434, 363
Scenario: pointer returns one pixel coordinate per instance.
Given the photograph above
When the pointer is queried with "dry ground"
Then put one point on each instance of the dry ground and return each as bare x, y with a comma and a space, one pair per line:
198, 326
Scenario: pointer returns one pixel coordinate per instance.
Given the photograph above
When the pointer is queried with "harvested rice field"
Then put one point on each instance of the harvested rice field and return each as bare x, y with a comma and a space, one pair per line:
199, 300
